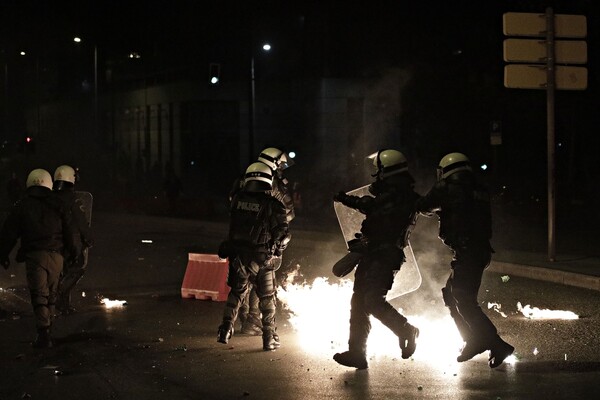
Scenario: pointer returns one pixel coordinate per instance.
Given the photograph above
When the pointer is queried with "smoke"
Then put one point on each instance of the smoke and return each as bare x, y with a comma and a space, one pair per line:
433, 259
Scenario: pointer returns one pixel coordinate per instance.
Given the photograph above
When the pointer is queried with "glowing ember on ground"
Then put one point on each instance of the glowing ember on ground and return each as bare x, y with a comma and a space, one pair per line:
536, 313
113, 303
320, 314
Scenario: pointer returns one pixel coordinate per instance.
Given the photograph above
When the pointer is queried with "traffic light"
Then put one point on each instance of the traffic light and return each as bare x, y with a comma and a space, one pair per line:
214, 73
27, 145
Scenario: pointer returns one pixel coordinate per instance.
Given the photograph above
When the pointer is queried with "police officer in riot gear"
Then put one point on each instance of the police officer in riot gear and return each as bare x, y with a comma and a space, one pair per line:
64, 188
389, 217
43, 224
278, 161
465, 226
258, 234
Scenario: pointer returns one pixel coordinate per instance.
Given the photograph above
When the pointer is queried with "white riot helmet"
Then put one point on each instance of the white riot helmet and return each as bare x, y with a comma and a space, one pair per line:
388, 163
274, 158
258, 178
39, 177
65, 173
64, 177
452, 163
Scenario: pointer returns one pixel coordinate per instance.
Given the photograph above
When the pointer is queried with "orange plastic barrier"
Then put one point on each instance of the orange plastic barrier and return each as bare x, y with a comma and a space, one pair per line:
205, 278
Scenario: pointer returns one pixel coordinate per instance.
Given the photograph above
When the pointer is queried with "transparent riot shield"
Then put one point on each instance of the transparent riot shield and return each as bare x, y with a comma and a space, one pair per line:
408, 279
85, 200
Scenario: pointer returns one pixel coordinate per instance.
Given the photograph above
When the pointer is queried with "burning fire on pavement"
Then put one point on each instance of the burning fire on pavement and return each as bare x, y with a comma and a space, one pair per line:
320, 313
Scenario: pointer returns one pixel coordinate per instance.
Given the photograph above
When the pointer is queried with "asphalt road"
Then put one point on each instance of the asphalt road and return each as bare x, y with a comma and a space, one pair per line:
160, 346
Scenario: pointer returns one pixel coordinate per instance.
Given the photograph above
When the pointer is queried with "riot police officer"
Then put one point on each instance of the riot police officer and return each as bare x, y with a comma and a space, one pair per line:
258, 234
389, 217
278, 161
463, 207
64, 188
43, 224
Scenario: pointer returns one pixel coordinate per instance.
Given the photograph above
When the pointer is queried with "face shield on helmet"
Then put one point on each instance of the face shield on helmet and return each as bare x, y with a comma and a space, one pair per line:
64, 177
452, 163
275, 159
39, 177
388, 163
258, 178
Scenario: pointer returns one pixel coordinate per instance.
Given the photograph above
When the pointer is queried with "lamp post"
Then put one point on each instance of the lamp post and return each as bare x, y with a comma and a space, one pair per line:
77, 39
36, 91
251, 112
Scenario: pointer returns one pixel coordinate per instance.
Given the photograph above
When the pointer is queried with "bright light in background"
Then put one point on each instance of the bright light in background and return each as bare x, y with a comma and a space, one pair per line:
266, 47
214, 80
484, 167
22, 53
135, 55
292, 154
77, 39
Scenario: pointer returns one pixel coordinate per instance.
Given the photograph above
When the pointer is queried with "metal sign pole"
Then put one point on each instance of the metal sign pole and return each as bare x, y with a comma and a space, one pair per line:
550, 89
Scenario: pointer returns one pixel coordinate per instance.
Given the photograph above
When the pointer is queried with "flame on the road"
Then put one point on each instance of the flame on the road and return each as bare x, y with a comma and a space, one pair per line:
536, 313
497, 307
108, 303
320, 314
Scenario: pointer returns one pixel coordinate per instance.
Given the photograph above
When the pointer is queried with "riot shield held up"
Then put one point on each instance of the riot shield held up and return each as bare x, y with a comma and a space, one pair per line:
408, 279
85, 200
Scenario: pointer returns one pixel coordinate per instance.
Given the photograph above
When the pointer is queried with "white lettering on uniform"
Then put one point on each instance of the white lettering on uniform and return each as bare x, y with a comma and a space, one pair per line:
243, 205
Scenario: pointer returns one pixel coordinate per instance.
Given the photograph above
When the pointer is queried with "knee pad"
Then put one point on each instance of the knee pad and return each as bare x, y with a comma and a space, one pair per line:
265, 283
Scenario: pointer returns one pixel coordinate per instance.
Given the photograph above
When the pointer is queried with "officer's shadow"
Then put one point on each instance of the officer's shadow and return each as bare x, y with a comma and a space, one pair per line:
71, 330
357, 382
548, 367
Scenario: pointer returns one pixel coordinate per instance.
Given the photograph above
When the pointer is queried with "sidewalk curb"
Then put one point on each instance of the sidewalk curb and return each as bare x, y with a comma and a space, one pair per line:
546, 274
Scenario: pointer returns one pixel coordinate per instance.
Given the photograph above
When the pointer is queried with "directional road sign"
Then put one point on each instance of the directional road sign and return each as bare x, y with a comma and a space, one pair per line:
532, 76
534, 25
534, 50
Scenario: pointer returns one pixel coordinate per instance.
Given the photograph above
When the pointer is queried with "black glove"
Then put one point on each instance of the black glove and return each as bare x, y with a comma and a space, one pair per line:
224, 250
5, 262
339, 196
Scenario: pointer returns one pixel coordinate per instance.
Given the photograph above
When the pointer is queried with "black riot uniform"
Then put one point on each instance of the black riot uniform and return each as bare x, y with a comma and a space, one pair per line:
257, 233
43, 224
389, 216
249, 313
73, 271
465, 226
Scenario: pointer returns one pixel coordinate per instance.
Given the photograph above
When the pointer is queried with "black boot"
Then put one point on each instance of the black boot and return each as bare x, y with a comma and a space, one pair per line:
252, 325
499, 351
225, 332
471, 349
350, 358
270, 340
408, 340
43, 340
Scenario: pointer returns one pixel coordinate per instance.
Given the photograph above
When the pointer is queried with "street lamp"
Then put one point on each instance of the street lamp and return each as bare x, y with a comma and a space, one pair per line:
251, 114
77, 39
